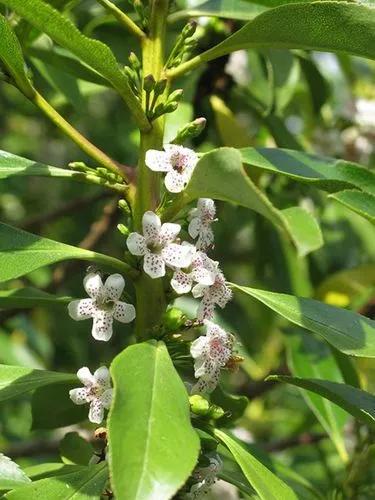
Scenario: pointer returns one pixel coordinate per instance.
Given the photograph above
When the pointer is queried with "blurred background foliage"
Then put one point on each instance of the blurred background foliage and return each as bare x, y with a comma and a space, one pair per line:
317, 102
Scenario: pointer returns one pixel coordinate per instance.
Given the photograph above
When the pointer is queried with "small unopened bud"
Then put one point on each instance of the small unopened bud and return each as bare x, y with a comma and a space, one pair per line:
175, 96
134, 61
199, 405
123, 229
79, 167
173, 319
148, 83
170, 107
129, 72
160, 87
192, 129
123, 206
216, 412
189, 29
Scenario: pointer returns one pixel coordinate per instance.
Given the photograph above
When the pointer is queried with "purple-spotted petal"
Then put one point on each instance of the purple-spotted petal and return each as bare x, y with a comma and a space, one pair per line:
153, 265
81, 309
176, 182
199, 290
151, 225
106, 398
102, 377
96, 412
194, 227
169, 232
114, 286
136, 244
206, 309
78, 396
93, 285
158, 161
85, 376
124, 312
203, 276
197, 347
181, 282
102, 325
178, 256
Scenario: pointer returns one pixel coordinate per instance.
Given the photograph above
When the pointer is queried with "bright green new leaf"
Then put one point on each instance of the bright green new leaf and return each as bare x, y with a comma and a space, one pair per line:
48, 469
348, 331
95, 54
11, 57
328, 174
22, 252
358, 403
310, 26
362, 203
309, 357
88, 483
11, 476
227, 9
153, 447
17, 380
220, 175
265, 483
30, 297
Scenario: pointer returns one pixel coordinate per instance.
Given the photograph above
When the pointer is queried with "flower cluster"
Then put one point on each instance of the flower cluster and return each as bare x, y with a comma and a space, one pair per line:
204, 478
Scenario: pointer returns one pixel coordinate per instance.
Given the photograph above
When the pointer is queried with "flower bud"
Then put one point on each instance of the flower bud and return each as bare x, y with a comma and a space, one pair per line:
160, 86
134, 61
173, 319
148, 83
170, 107
199, 405
175, 96
123, 229
79, 166
189, 29
192, 129
216, 412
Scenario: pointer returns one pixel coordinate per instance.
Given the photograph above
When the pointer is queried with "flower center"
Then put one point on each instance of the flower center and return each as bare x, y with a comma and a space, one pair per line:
154, 247
178, 162
106, 304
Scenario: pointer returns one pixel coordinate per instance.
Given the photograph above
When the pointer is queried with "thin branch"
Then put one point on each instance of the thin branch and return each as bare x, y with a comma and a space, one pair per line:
123, 19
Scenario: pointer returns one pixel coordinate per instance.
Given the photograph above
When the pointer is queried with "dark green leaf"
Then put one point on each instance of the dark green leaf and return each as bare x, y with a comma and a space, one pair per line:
17, 380
328, 174
265, 483
11, 476
318, 85
348, 331
234, 406
361, 203
11, 57
153, 447
358, 403
22, 252
89, 483
75, 450
30, 297
220, 8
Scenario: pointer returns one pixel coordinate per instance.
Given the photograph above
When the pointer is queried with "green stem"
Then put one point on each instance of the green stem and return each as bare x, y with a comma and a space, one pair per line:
150, 293
122, 18
84, 144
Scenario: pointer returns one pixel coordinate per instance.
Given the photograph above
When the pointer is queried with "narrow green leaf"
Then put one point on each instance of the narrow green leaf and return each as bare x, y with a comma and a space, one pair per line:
30, 297
265, 483
328, 174
220, 175
318, 86
22, 252
358, 403
17, 380
88, 483
309, 357
75, 450
348, 331
12, 58
226, 9
41, 471
361, 203
95, 54
11, 476
153, 447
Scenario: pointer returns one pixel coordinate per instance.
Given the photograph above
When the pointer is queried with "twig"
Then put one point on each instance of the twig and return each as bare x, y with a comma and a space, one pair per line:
122, 18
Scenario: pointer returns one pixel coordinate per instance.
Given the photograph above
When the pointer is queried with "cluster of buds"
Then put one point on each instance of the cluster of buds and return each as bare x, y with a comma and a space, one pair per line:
184, 45
141, 7
133, 73
99, 175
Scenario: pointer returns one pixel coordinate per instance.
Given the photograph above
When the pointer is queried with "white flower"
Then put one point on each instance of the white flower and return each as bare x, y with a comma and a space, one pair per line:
201, 219
202, 270
177, 161
157, 248
211, 352
205, 477
238, 67
97, 392
103, 305
216, 293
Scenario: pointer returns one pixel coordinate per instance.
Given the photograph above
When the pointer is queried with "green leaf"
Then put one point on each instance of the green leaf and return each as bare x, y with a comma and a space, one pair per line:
12, 58
233, 405
358, 403
22, 252
318, 85
226, 9
309, 357
265, 483
88, 483
62, 413
348, 331
95, 54
41, 471
30, 297
311, 26
328, 174
75, 450
11, 476
153, 447
220, 175
361, 203
17, 380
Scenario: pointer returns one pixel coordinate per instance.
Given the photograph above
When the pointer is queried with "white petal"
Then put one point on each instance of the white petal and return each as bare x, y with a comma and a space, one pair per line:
206, 309
207, 207
175, 182
158, 161
200, 367
206, 384
194, 227
203, 276
114, 286
181, 282
124, 312
206, 238
151, 225
153, 265
81, 309
136, 244
102, 325
85, 376
93, 285
106, 398
179, 256
197, 347
102, 377
96, 412
186, 157
199, 290
169, 232
78, 396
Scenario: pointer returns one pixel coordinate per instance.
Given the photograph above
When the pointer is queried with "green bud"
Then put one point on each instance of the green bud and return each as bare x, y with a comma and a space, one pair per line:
107, 174
123, 206
216, 412
134, 61
148, 83
123, 229
192, 129
189, 29
79, 166
173, 319
175, 96
199, 405
160, 87
170, 107
130, 73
